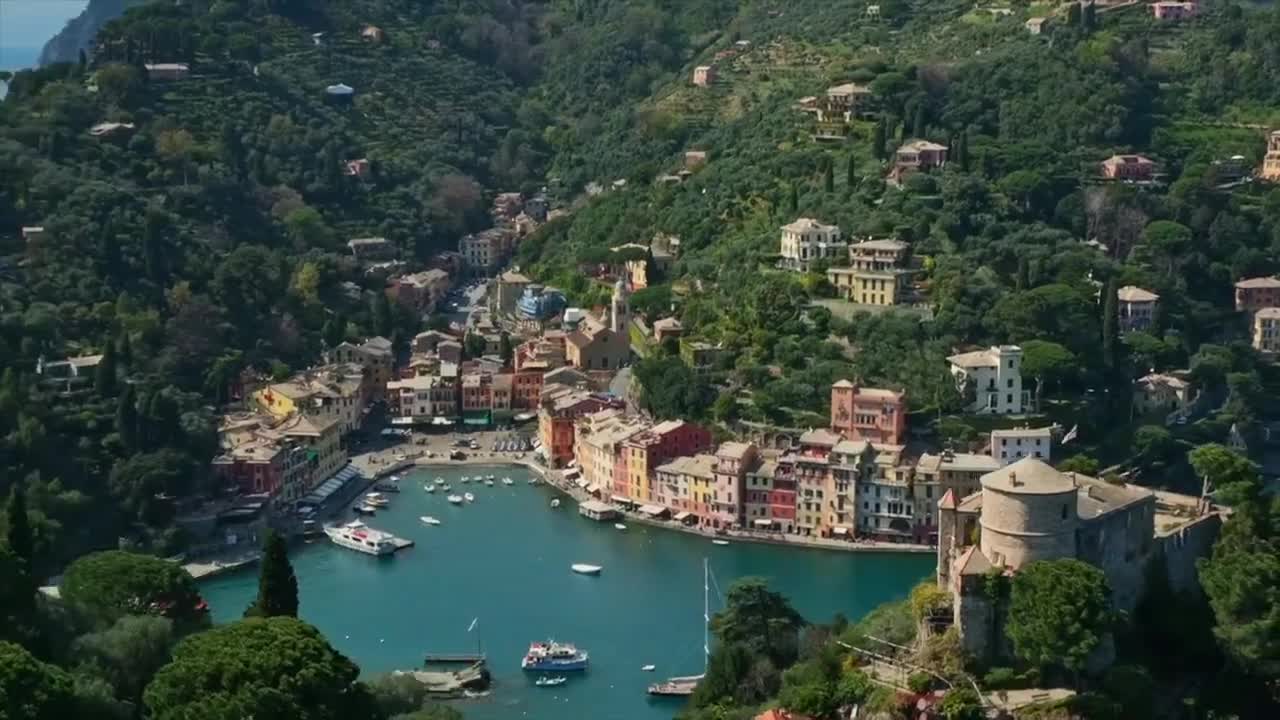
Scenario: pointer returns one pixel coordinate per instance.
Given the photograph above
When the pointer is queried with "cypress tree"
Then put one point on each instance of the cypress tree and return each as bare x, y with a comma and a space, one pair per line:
124, 350
127, 418
277, 585
1110, 327
918, 122
962, 150
793, 200
850, 177
878, 140
829, 177
105, 374
19, 535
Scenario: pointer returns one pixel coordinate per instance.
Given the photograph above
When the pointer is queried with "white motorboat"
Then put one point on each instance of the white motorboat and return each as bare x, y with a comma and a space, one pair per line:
585, 569
469, 497
365, 510
455, 499
428, 520
649, 668
508, 481
555, 502
532, 480
439, 481
490, 478
550, 681
394, 478
377, 500
466, 479
445, 487
357, 536
619, 526
719, 542
489, 483
429, 488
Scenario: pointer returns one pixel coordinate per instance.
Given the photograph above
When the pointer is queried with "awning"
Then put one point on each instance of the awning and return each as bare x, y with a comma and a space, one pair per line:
330, 486
572, 473
762, 522
840, 530
684, 515
653, 510
622, 500
593, 488
443, 421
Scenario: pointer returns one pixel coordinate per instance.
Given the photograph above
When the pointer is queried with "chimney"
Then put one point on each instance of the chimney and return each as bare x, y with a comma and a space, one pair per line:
1013, 478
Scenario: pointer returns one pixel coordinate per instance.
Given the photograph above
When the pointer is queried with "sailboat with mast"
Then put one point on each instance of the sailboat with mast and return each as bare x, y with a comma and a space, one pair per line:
682, 686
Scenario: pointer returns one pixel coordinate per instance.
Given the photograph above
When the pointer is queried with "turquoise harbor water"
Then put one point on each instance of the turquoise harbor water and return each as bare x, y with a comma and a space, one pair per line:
505, 560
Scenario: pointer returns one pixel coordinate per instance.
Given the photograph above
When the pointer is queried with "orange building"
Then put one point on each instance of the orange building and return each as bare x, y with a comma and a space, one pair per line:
645, 451
560, 406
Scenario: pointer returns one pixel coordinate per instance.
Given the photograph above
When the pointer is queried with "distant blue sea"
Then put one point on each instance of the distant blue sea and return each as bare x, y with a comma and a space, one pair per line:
19, 58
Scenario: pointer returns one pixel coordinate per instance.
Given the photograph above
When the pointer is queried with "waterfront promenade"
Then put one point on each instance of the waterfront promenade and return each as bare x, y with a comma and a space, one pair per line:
399, 456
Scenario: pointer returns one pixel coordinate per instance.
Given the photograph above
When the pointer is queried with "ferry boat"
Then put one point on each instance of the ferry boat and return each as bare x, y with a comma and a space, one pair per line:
554, 656
357, 536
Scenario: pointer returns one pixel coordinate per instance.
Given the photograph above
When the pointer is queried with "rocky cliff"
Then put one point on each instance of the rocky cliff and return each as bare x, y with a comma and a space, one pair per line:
79, 33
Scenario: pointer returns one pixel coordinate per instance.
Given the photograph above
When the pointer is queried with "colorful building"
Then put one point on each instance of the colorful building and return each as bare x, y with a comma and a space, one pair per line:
560, 407
733, 461
646, 450
1253, 294
872, 414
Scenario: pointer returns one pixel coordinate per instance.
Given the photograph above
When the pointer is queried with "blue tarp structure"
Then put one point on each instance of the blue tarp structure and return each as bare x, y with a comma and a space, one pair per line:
332, 485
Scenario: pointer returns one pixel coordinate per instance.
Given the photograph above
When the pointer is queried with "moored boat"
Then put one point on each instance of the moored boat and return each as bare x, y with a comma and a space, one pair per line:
357, 536
428, 520
554, 656
648, 668
719, 542
619, 526
429, 488
585, 569
489, 483
545, 681
376, 499
555, 502
365, 510
508, 481
439, 481
455, 499
469, 497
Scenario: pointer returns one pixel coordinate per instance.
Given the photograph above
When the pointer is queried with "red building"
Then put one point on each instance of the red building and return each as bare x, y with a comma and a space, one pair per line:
1128, 167
871, 414
559, 407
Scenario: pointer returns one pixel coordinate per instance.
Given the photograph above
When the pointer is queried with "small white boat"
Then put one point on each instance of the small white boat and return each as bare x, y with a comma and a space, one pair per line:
465, 479
428, 520
490, 478
455, 499
394, 478
619, 526
555, 502
439, 481
508, 481
376, 499
649, 668
550, 681
585, 569
533, 480
469, 497
445, 488
365, 510
719, 542
429, 488
489, 483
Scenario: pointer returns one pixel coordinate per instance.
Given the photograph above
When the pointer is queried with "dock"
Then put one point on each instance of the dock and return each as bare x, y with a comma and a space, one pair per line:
474, 678
453, 658
676, 686
401, 543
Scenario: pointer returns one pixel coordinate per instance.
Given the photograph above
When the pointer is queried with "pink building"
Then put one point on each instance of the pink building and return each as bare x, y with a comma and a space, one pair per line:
872, 414
1128, 167
644, 452
1174, 10
733, 461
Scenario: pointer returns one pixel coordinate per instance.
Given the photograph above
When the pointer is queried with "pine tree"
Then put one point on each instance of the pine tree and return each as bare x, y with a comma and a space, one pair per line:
19, 536
850, 173
878, 139
277, 585
829, 177
334, 330
127, 418
104, 380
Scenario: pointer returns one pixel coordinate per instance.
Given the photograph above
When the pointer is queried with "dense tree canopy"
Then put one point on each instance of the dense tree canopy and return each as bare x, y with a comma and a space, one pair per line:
1059, 613
243, 669
114, 583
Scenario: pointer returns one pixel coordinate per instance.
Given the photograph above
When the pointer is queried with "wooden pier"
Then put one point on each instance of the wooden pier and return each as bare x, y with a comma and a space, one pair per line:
453, 658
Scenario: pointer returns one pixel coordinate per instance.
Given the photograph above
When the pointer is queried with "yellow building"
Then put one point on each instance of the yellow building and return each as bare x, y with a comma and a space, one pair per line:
334, 391
876, 275
321, 436
598, 440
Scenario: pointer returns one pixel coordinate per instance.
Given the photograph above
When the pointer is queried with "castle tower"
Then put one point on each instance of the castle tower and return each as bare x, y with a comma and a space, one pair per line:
946, 538
1028, 513
619, 309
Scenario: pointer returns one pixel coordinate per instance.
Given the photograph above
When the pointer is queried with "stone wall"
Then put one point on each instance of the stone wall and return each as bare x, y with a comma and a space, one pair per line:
1119, 543
1182, 547
1023, 527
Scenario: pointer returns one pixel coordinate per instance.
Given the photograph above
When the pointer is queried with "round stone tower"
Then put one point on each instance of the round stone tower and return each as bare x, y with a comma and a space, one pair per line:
1028, 513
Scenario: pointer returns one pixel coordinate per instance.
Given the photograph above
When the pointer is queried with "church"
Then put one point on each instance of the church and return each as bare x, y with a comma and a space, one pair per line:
602, 343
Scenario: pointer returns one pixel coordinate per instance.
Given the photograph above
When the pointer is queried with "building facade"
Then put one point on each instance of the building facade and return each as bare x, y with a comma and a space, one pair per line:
1136, 308
1011, 445
872, 414
1253, 294
991, 380
807, 241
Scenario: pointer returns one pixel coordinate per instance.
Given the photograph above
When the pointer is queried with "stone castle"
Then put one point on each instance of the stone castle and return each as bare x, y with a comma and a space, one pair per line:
1029, 511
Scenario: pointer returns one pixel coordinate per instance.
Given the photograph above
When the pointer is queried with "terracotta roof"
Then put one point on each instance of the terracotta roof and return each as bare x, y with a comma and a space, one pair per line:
973, 562
1258, 283
807, 225
843, 384
1270, 313
578, 339
1131, 293
1029, 476
948, 501
735, 450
